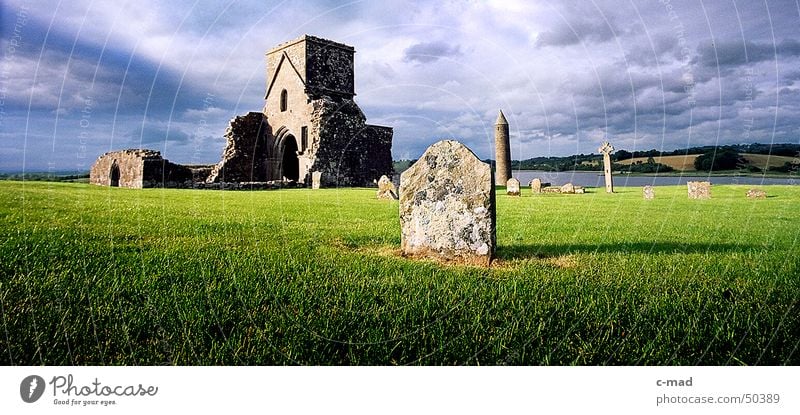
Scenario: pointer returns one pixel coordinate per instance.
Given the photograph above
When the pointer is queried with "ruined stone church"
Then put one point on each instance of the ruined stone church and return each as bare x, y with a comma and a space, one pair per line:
309, 123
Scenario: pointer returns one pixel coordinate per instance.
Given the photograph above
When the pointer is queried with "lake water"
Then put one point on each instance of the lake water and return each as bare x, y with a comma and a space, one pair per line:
595, 179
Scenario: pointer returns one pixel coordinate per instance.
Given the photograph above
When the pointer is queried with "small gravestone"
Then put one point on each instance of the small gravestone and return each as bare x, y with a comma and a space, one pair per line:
648, 192
386, 189
316, 177
568, 188
536, 186
699, 190
512, 187
447, 206
756, 194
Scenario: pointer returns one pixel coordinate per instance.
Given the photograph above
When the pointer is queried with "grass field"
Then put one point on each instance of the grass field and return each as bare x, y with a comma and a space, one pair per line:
94, 275
686, 162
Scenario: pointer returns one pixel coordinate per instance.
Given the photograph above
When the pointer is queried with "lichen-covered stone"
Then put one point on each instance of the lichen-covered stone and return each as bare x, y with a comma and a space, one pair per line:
699, 190
648, 192
536, 186
386, 189
447, 206
512, 187
756, 194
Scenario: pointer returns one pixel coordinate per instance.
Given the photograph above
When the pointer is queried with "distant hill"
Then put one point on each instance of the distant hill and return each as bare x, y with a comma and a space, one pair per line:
686, 162
754, 157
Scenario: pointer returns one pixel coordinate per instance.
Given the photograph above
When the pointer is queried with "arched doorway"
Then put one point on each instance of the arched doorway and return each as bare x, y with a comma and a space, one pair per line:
114, 175
290, 166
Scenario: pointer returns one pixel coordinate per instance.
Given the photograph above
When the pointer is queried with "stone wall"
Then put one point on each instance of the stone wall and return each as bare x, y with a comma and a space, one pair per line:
138, 168
329, 68
317, 75
246, 151
348, 152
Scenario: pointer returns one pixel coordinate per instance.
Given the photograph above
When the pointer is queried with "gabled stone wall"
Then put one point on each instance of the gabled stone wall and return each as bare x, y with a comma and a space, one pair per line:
138, 168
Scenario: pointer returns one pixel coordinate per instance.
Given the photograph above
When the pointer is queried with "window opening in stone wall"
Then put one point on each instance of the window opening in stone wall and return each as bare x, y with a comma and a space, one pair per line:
303, 138
283, 100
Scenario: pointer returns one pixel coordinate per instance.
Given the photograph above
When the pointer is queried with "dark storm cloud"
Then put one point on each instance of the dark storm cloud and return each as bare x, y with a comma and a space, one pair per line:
580, 30
566, 73
734, 53
62, 67
149, 134
430, 51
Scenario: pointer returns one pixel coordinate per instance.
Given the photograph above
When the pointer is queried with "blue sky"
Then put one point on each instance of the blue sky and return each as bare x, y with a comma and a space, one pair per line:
80, 78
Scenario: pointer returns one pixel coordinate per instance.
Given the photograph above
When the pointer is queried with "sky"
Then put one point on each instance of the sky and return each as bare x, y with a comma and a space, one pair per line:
79, 78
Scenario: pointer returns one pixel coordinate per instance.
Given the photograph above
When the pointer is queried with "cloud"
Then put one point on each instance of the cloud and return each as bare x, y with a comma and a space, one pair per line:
430, 51
578, 31
172, 74
735, 53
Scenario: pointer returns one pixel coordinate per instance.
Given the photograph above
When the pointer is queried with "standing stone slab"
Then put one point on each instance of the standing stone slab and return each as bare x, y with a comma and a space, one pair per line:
606, 149
512, 187
447, 206
648, 192
699, 190
755, 193
568, 188
316, 178
536, 186
386, 189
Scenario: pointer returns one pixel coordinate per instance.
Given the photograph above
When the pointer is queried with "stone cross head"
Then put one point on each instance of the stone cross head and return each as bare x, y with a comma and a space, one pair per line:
606, 148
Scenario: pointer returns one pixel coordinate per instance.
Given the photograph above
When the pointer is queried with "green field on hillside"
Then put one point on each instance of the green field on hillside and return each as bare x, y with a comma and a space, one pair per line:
110, 276
686, 162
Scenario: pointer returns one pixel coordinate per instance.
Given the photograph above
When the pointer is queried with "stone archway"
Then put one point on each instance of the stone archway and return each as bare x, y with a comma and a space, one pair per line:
114, 175
290, 165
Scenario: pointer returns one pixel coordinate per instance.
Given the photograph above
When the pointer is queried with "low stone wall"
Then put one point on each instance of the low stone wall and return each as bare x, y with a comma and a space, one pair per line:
138, 168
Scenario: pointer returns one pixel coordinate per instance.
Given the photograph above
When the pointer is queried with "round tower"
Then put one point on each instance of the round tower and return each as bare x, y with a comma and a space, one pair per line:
502, 151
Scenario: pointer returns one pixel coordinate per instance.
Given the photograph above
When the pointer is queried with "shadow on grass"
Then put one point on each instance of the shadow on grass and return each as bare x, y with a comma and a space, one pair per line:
547, 251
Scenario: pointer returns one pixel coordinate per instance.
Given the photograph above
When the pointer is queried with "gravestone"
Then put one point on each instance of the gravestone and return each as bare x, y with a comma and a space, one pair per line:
447, 206
386, 189
648, 192
699, 190
606, 148
512, 187
536, 186
316, 177
756, 194
568, 188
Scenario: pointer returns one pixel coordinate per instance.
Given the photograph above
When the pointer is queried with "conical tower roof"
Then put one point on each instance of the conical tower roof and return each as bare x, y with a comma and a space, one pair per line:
501, 119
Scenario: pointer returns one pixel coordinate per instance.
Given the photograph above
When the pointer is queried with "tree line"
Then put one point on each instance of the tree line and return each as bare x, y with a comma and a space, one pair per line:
710, 158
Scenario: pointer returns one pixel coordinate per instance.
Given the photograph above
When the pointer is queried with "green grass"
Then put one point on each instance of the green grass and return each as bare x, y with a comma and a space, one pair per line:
93, 275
